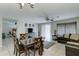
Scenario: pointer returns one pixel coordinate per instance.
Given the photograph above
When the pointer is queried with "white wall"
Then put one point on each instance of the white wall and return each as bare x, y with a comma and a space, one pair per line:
21, 24
7, 26
0, 32
22, 29
78, 26
53, 27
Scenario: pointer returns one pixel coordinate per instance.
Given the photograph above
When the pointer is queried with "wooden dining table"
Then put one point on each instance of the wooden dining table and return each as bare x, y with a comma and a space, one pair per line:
28, 45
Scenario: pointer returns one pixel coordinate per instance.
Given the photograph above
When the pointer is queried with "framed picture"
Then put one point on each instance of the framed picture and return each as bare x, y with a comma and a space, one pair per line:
29, 25
25, 25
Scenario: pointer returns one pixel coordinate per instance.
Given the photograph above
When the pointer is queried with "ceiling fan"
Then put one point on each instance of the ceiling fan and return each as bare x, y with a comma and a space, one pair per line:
22, 5
48, 18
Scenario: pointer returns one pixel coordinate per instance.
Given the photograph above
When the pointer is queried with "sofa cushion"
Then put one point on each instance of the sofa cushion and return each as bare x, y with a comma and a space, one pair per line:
74, 37
73, 43
66, 36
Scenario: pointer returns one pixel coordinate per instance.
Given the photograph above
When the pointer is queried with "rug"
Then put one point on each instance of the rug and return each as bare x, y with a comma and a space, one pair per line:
48, 44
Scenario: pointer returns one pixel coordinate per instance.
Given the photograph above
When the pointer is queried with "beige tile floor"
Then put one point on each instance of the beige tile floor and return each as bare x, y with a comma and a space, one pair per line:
56, 50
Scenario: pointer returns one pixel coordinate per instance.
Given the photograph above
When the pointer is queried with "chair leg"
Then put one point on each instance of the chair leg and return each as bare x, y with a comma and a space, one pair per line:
25, 52
40, 51
16, 53
19, 53
34, 51
28, 53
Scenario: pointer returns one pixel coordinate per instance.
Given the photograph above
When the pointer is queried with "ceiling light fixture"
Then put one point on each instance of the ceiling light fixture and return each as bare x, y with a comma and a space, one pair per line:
30, 4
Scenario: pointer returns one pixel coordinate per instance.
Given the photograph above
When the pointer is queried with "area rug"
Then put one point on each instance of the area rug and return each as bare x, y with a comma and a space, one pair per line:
48, 44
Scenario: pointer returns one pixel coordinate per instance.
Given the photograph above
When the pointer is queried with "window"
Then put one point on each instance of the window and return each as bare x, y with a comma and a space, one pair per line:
66, 28
61, 29
71, 28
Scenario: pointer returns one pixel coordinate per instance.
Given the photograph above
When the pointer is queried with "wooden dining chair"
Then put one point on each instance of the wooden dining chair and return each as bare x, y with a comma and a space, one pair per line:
23, 36
14, 37
19, 48
37, 46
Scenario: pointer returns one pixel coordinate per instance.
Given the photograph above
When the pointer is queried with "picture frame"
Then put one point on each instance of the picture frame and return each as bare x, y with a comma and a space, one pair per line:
25, 25
29, 25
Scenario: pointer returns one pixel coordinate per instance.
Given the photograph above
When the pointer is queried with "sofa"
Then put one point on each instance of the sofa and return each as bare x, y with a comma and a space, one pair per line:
72, 45
72, 49
68, 38
63, 39
71, 42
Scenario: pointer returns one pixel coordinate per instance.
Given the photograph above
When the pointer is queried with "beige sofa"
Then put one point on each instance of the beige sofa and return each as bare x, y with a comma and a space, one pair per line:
74, 38
72, 45
72, 49
69, 38
66, 36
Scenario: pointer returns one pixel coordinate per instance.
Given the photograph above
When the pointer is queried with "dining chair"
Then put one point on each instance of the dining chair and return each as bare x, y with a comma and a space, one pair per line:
37, 46
23, 36
19, 48
14, 37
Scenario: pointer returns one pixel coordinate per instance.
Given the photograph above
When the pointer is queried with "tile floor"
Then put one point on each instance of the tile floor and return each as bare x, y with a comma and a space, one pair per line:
56, 50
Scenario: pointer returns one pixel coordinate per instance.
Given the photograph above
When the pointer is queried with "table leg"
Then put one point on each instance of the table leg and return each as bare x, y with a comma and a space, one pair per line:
34, 50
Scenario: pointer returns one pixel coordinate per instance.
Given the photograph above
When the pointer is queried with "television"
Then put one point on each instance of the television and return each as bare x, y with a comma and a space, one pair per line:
30, 30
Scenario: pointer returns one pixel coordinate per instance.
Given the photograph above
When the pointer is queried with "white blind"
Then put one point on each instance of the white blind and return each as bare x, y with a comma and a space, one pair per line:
66, 28
61, 29
71, 28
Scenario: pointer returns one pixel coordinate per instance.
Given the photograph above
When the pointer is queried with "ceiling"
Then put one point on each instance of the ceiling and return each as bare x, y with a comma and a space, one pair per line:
63, 10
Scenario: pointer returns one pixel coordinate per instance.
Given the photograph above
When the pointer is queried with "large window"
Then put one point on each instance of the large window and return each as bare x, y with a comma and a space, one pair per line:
66, 28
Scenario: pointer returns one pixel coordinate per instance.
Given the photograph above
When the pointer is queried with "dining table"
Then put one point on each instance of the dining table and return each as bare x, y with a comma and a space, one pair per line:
28, 44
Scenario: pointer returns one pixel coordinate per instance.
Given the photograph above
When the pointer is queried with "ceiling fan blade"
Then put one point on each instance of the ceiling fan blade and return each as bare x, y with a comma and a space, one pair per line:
31, 5
47, 18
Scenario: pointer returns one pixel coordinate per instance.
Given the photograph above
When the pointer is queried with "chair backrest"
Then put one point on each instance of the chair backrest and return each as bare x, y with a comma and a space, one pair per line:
23, 36
70, 35
66, 36
39, 42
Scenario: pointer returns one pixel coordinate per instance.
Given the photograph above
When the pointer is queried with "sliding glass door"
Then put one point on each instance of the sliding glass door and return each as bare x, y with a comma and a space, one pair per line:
46, 31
